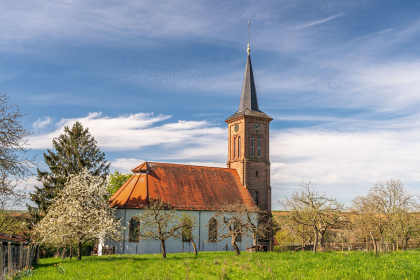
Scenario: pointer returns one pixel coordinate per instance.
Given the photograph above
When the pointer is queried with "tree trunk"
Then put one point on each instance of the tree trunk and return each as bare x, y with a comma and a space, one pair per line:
322, 241
195, 247
235, 246
342, 245
254, 239
162, 243
71, 252
382, 242
315, 240
79, 251
406, 243
375, 248
63, 255
398, 244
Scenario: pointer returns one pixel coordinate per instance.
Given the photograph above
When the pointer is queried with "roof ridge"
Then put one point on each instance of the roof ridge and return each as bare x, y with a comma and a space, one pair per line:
202, 166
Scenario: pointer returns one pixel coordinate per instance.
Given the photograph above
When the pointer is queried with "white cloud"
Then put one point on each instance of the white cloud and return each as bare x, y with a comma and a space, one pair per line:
333, 159
131, 132
125, 164
345, 163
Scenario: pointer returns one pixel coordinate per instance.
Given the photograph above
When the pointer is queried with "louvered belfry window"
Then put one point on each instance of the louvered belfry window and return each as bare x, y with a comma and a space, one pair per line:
252, 146
234, 147
239, 147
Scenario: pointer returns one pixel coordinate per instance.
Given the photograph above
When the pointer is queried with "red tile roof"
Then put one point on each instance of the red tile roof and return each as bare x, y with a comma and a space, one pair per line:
186, 187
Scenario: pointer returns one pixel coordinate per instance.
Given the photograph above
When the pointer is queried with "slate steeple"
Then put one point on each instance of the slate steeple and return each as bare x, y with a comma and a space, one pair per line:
249, 98
248, 105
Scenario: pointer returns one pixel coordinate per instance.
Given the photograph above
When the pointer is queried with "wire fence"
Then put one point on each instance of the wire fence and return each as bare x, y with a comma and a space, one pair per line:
353, 246
17, 257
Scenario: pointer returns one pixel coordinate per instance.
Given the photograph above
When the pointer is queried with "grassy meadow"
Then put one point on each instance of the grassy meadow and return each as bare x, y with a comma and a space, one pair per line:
226, 265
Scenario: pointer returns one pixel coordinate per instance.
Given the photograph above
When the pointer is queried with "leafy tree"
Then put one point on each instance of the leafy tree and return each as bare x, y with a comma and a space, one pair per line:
75, 151
80, 214
116, 180
15, 165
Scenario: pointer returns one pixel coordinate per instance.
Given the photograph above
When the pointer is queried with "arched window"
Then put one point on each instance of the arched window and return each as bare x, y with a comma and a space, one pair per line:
252, 146
236, 226
212, 230
239, 147
259, 147
256, 198
134, 231
234, 147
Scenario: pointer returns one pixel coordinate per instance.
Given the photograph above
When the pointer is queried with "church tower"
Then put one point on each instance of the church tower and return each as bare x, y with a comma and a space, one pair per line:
248, 132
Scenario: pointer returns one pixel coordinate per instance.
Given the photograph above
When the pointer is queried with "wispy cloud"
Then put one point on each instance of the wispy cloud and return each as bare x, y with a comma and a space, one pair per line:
317, 22
41, 123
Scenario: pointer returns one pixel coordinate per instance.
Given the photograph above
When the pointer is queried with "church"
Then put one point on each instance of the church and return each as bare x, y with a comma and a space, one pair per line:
200, 189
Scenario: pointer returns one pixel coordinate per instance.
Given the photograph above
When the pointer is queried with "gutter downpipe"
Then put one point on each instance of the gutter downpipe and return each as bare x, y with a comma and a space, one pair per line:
125, 219
199, 231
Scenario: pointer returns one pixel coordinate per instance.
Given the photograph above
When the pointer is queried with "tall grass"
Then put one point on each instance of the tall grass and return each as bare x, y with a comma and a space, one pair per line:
225, 265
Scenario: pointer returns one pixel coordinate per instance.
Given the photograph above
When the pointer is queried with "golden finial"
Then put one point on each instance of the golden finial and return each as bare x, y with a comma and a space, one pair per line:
248, 49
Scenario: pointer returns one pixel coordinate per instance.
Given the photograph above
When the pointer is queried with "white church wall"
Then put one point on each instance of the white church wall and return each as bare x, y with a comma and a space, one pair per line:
201, 232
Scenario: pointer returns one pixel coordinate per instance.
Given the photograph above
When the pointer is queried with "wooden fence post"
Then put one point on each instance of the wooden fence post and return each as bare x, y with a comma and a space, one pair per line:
28, 255
34, 255
21, 256
1, 259
9, 258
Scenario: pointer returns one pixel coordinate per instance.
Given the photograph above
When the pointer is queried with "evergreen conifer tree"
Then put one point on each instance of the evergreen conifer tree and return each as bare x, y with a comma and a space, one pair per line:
75, 150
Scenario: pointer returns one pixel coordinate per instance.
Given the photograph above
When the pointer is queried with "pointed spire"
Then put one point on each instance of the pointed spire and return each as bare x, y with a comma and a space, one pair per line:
249, 93
248, 106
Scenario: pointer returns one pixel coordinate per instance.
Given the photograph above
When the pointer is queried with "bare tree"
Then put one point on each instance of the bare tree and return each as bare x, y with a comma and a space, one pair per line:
368, 217
238, 220
385, 212
310, 208
15, 165
293, 232
189, 222
159, 221
406, 226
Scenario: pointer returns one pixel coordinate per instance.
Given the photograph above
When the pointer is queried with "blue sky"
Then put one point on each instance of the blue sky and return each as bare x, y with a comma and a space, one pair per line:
155, 80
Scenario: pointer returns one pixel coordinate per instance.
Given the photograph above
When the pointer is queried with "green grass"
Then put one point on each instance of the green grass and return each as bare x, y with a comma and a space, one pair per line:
225, 265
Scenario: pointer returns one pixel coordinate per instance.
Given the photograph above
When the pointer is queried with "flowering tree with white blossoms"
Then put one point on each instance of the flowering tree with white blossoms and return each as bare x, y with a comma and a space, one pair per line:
79, 214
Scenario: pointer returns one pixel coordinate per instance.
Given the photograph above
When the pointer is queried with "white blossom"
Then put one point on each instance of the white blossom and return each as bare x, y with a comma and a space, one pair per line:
80, 213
